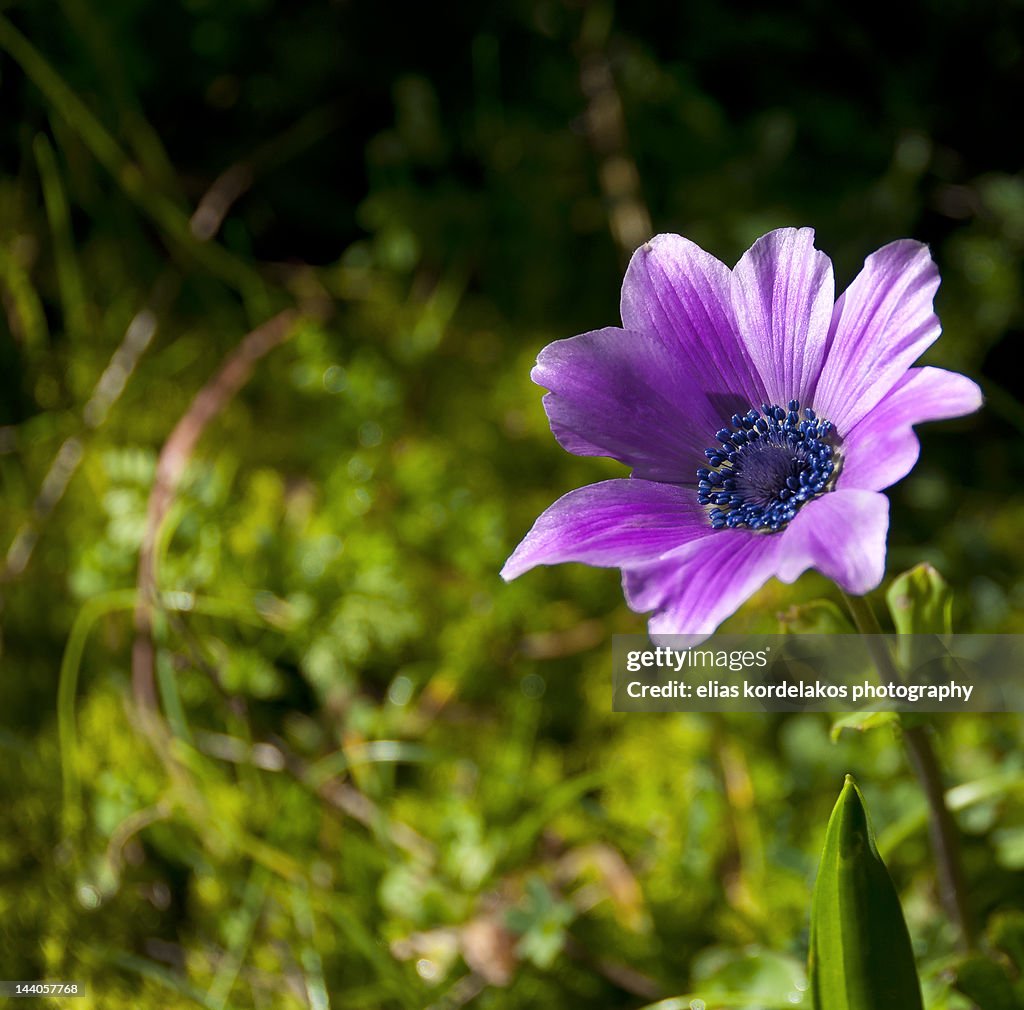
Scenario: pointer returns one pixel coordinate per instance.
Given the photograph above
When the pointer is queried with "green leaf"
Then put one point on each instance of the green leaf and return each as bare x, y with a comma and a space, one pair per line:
861, 958
994, 982
758, 974
818, 617
1006, 932
863, 721
986, 984
921, 602
541, 923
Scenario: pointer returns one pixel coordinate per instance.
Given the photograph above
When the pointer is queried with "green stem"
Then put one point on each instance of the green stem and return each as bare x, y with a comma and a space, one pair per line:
942, 828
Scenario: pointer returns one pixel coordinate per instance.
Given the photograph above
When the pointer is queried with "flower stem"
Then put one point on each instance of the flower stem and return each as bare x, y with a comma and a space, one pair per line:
942, 828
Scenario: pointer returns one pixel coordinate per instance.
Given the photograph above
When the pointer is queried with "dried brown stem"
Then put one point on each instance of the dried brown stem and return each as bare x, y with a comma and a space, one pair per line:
174, 457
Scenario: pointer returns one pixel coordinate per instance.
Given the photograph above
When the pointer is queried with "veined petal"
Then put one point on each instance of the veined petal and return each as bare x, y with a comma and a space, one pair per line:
611, 524
694, 589
675, 289
626, 395
842, 534
881, 325
782, 294
883, 448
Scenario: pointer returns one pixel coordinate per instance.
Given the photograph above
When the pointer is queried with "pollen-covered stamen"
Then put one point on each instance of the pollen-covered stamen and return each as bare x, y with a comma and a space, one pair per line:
768, 464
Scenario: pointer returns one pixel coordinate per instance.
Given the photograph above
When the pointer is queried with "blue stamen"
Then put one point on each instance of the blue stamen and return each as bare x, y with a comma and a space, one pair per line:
767, 466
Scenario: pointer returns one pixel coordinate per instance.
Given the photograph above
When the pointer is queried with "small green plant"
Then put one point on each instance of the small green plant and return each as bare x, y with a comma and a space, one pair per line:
860, 957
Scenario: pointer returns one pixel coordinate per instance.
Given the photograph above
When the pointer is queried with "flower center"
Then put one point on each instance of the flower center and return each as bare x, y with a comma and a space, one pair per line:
768, 464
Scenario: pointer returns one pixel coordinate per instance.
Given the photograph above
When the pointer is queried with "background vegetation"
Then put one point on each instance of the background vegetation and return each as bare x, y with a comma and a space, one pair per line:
382, 778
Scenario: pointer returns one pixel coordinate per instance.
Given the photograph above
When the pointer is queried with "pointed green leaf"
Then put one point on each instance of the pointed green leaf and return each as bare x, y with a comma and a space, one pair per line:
921, 602
861, 958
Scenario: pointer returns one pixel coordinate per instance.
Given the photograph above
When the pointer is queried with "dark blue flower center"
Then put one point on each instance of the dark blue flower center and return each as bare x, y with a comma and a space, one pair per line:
768, 464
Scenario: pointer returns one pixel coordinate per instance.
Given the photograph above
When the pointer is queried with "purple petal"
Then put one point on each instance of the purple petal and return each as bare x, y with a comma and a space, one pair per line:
883, 448
882, 323
626, 395
614, 523
842, 534
675, 289
782, 294
693, 590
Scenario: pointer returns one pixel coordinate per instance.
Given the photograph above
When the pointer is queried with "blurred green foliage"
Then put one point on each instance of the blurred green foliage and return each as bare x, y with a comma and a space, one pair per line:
390, 780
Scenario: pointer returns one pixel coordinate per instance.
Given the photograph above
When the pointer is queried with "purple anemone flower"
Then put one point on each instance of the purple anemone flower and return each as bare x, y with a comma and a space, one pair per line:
761, 416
